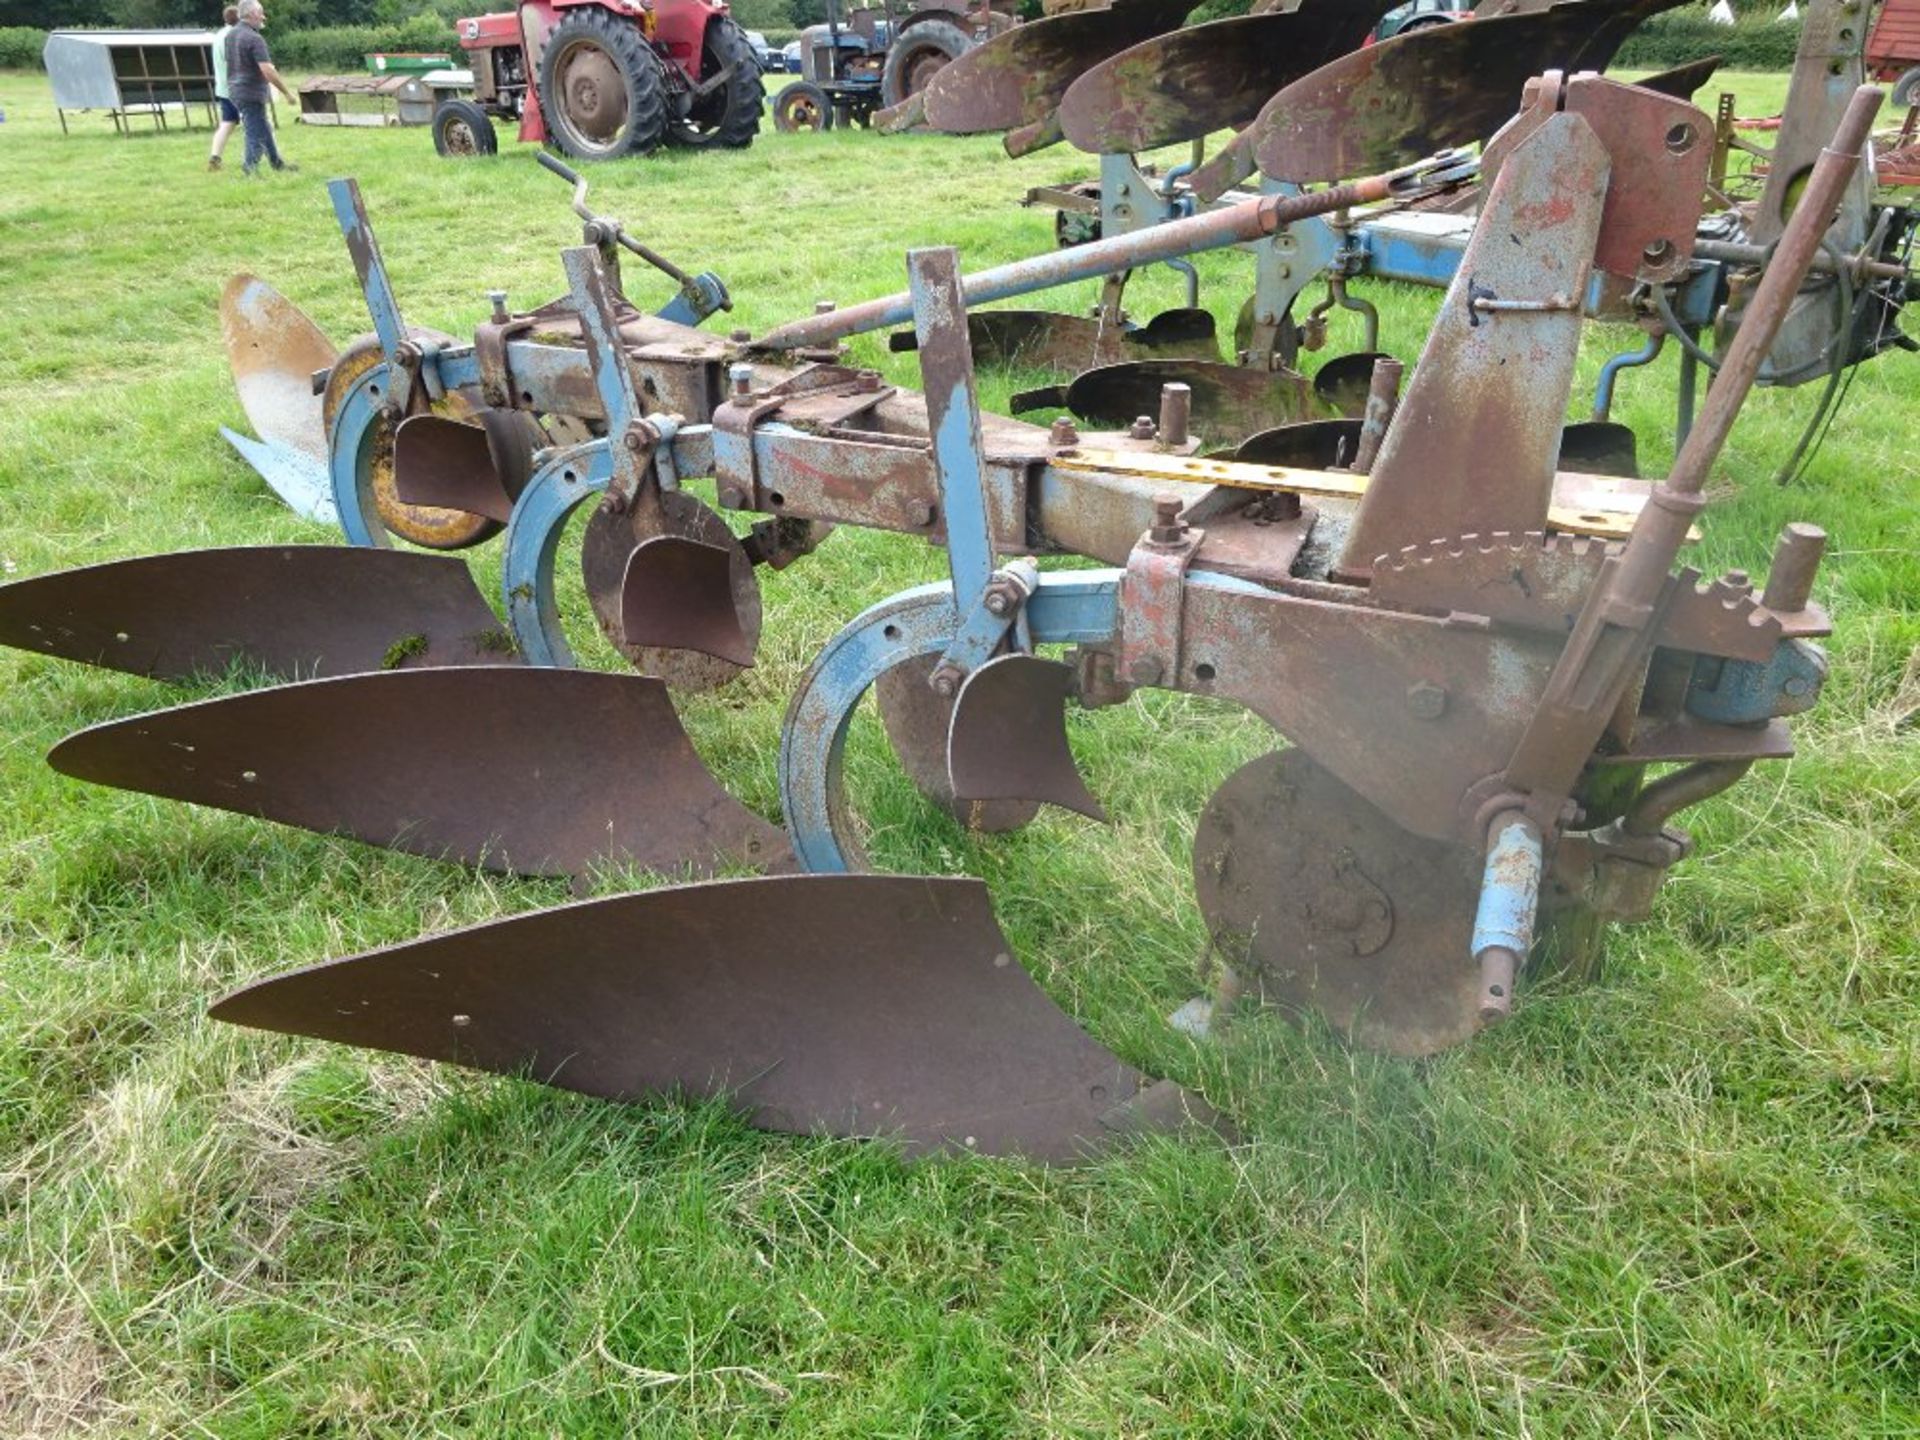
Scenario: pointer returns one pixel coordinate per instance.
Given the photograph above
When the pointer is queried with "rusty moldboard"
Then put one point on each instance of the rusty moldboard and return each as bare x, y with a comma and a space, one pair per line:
1418, 93
1192, 82
850, 1005
292, 610
1018, 77
523, 770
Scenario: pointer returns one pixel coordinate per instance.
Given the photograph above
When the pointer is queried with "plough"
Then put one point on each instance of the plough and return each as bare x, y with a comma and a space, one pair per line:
1310, 107
1477, 662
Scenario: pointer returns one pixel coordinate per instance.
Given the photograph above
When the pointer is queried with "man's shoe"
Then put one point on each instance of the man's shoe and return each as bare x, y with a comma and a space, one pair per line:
213, 162
287, 167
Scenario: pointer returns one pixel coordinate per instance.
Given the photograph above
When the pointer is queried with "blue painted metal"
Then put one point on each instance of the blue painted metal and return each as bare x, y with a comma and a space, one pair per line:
1610, 372
295, 476
1077, 607
350, 445
1747, 692
953, 417
1509, 888
706, 295
982, 633
533, 539
600, 330
349, 210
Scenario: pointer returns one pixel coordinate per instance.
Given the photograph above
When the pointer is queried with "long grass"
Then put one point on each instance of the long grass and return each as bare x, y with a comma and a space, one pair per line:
1682, 1200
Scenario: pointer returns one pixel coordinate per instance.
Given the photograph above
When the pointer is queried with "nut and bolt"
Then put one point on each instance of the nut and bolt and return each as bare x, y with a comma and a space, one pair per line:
1142, 429
1426, 701
1168, 527
638, 437
998, 602
741, 377
740, 335
1063, 432
1737, 580
867, 381
945, 681
499, 299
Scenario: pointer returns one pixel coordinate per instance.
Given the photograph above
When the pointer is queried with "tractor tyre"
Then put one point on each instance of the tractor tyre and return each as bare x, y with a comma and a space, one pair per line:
729, 118
461, 128
921, 52
802, 106
1906, 90
601, 87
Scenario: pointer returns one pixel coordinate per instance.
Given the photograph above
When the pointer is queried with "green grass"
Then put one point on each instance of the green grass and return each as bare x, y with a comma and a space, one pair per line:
1680, 1201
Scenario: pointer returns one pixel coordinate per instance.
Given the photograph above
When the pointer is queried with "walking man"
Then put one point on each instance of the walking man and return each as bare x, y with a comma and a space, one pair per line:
229, 116
249, 72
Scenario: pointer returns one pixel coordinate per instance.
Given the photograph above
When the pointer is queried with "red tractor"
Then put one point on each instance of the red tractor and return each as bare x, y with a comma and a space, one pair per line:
603, 78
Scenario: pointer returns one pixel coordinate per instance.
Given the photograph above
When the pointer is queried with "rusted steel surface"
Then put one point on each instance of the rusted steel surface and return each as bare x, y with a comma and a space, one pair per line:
1192, 82
274, 351
1430, 89
1600, 447
851, 1005
917, 722
694, 626
293, 610
527, 771
449, 464
1320, 902
1682, 80
1230, 402
1047, 340
1018, 77
1009, 736
1473, 443
1653, 204
1306, 444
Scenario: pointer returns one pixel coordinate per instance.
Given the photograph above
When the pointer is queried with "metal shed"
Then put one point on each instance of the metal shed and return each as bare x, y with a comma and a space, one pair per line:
131, 72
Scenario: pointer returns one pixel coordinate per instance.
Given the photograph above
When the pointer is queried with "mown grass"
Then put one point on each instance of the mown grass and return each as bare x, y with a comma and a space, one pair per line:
1680, 1201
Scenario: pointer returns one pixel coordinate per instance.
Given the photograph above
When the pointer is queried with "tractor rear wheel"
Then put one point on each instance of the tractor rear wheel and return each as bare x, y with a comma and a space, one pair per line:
921, 52
728, 118
1906, 90
461, 128
601, 89
802, 106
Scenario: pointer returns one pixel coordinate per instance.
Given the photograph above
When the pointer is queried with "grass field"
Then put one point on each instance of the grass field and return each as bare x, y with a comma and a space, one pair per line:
1682, 1201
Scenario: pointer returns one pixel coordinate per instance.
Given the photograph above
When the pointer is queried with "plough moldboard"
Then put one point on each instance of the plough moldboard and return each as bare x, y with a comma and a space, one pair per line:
1494, 687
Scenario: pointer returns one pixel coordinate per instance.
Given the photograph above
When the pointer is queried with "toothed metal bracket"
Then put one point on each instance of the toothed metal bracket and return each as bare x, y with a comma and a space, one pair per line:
1151, 598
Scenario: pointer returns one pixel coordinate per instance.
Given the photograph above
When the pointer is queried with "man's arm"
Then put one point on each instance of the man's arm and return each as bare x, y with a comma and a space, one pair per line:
272, 76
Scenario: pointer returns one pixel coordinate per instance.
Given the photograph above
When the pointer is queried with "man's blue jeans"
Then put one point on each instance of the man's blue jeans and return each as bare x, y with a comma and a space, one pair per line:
253, 120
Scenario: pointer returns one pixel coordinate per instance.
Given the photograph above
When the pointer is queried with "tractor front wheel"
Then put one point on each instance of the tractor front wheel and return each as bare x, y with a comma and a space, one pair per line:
601, 89
461, 128
802, 106
921, 52
729, 116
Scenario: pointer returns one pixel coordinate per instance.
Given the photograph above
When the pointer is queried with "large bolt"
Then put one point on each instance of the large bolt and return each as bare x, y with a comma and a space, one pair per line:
945, 681
638, 437
1142, 428
1796, 555
499, 299
998, 602
1426, 701
742, 378
1176, 410
1168, 527
1063, 432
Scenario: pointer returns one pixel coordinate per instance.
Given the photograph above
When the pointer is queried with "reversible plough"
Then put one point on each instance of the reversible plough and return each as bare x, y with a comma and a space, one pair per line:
1310, 106
1494, 687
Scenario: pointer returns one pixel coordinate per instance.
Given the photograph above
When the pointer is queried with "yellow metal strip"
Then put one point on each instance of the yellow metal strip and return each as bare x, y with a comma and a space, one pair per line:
1598, 505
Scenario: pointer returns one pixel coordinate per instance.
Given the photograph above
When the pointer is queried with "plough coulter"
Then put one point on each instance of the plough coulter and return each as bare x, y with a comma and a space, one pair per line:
1491, 688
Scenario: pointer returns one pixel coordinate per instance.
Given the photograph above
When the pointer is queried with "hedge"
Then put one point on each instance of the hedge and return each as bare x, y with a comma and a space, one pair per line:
1674, 39
20, 47
339, 47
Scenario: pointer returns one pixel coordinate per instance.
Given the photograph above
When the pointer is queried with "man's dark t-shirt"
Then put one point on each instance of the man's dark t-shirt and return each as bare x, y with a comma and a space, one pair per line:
246, 53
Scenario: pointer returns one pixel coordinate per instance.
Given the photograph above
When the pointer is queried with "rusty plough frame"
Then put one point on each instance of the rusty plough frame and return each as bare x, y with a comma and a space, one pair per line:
1475, 660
